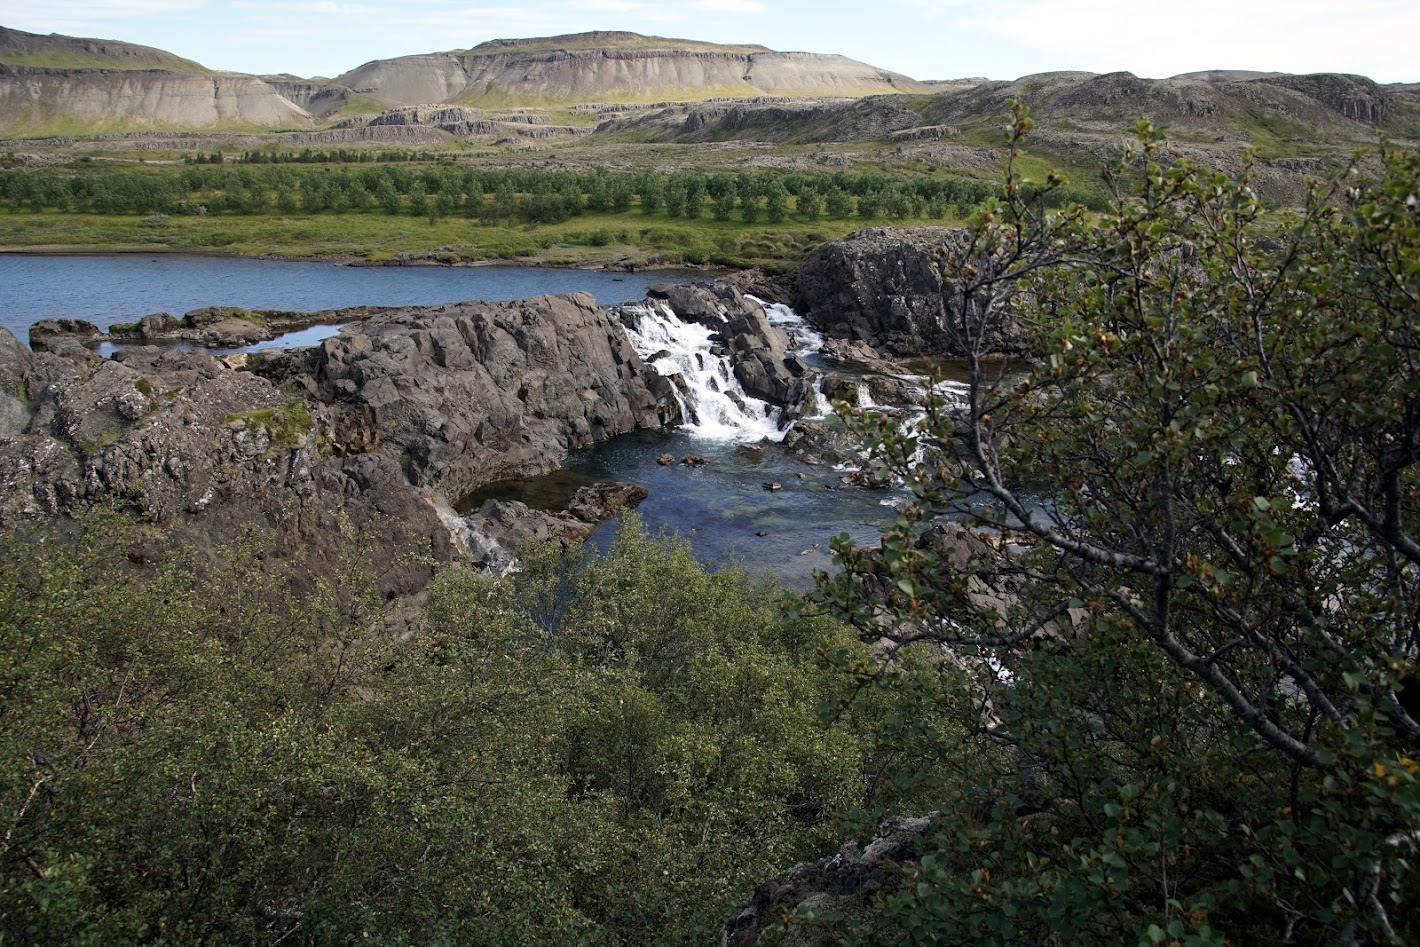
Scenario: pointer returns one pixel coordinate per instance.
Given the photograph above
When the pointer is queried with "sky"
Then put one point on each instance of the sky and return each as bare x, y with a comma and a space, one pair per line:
924, 39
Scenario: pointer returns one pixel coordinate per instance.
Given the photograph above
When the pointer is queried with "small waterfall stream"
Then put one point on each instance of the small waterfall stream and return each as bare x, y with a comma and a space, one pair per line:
712, 401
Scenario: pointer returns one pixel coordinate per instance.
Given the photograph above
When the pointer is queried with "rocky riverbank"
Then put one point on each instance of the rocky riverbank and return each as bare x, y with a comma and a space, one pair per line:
410, 408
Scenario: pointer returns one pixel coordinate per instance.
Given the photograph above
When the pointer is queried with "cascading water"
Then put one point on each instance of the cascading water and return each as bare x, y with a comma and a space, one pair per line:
804, 339
713, 404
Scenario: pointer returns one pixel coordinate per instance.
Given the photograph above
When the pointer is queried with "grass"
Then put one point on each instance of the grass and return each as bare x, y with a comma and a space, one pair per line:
588, 240
67, 59
285, 426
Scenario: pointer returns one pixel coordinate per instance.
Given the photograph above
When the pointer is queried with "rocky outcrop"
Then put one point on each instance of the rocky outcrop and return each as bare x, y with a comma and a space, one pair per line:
847, 883
203, 452
317, 96
215, 327
495, 533
472, 392
386, 424
882, 287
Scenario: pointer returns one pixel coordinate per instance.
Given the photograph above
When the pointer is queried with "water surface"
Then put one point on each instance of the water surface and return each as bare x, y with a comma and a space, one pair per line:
104, 289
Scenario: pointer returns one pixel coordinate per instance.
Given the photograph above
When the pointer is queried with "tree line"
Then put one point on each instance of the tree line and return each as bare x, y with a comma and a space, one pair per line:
498, 195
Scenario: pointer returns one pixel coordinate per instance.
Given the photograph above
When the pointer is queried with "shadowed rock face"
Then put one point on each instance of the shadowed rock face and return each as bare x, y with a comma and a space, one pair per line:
882, 287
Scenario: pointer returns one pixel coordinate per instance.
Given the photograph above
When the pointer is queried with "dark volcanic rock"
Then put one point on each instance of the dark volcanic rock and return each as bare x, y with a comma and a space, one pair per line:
500, 528
882, 287
472, 392
46, 333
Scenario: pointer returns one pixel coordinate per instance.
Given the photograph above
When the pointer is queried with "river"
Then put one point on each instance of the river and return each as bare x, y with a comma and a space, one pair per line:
722, 508
105, 289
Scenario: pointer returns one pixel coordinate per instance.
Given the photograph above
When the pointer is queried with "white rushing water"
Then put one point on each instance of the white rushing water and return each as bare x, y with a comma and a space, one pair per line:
804, 339
713, 404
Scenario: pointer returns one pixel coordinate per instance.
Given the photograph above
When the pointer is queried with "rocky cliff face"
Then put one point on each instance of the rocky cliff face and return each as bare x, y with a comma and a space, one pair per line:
54, 82
473, 392
37, 99
607, 67
882, 287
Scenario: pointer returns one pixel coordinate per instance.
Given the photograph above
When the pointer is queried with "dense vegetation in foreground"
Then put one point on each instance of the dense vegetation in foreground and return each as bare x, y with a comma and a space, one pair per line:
598, 750
1179, 709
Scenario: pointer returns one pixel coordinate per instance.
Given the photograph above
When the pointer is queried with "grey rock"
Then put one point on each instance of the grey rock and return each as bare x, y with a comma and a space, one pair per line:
846, 882
473, 392
46, 333
882, 287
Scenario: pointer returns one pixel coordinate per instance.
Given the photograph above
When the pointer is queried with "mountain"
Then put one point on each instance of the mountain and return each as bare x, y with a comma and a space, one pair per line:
18, 48
71, 85
613, 67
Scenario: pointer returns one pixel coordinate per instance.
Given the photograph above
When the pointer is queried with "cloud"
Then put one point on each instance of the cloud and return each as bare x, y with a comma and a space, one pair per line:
728, 6
91, 11
1373, 37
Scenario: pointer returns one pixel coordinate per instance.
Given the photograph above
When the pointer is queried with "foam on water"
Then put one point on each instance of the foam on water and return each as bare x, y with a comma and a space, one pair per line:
713, 404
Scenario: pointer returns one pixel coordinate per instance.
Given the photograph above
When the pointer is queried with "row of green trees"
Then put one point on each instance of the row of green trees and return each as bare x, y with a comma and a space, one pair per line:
494, 195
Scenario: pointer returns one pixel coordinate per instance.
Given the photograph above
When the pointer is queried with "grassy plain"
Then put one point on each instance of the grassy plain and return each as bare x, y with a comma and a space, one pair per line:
589, 240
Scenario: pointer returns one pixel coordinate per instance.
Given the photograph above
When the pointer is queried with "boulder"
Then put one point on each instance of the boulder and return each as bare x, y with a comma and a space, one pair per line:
45, 333
882, 286
599, 502
500, 528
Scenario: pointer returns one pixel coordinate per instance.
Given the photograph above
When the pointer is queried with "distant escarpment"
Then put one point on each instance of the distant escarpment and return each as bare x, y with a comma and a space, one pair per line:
613, 67
60, 84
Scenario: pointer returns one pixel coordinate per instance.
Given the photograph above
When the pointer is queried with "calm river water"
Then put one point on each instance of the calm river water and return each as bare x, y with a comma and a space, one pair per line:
122, 288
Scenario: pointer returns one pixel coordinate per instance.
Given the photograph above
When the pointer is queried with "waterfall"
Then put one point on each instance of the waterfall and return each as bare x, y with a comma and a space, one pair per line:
713, 404
803, 338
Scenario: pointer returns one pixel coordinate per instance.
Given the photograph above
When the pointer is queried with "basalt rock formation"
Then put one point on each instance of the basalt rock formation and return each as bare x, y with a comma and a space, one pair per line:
201, 451
384, 426
471, 392
882, 287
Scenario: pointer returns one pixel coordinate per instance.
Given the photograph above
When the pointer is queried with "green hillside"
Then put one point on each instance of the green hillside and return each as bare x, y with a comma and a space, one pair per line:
18, 48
